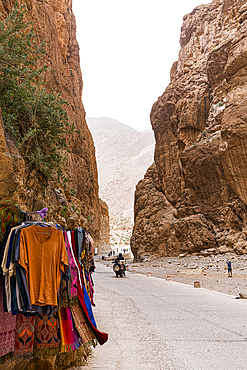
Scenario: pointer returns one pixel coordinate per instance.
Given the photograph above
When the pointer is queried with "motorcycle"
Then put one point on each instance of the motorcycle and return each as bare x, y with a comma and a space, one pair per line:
119, 268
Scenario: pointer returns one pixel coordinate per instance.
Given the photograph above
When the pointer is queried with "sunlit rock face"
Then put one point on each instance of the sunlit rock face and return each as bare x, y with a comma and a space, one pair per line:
54, 22
194, 197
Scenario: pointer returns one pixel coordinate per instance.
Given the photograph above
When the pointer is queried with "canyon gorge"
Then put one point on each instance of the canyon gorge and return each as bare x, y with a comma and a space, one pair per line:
193, 197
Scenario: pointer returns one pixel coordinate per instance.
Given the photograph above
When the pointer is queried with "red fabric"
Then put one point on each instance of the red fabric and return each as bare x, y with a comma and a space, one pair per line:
24, 337
101, 337
7, 328
70, 339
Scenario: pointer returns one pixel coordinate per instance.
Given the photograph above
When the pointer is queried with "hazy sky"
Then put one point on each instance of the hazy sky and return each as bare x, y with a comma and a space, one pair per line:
127, 48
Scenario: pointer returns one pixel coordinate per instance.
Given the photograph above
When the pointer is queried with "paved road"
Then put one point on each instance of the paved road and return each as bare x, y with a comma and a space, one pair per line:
154, 324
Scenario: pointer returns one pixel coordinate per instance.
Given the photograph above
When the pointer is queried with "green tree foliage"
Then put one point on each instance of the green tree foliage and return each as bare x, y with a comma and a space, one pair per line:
35, 118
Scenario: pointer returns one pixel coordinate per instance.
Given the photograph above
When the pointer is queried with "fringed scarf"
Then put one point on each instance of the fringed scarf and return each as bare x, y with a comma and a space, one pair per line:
69, 336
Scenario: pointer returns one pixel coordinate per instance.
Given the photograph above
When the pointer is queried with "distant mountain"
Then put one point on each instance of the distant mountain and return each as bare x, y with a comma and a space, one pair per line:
123, 156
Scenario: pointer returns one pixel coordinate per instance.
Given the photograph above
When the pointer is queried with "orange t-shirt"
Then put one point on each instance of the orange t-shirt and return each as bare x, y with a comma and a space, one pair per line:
43, 255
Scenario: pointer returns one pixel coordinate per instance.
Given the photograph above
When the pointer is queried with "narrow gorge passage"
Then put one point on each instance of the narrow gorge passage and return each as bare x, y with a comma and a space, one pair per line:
156, 324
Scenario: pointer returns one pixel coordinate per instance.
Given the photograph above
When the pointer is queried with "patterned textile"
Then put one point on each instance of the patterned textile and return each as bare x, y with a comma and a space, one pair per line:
46, 334
24, 337
72, 267
86, 304
70, 339
9, 217
64, 300
81, 324
7, 328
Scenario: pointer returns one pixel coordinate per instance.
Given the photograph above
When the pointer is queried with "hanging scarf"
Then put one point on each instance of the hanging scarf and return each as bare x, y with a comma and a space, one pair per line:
72, 267
86, 304
81, 324
69, 336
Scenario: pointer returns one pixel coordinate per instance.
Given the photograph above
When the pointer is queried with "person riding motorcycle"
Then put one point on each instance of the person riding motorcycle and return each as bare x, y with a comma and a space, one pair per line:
119, 257
117, 262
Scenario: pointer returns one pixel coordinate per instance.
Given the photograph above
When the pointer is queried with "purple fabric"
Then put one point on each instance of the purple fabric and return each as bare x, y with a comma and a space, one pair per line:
72, 267
43, 213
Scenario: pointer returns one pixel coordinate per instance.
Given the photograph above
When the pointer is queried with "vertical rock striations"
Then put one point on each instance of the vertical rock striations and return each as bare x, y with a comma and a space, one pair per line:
194, 197
54, 22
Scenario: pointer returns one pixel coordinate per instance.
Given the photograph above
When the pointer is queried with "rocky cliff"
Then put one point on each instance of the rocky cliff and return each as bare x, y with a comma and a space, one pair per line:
194, 197
77, 201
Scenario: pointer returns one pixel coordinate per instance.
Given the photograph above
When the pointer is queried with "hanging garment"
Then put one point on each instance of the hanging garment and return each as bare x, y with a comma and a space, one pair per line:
46, 341
24, 337
43, 256
70, 339
81, 324
73, 285
86, 304
7, 328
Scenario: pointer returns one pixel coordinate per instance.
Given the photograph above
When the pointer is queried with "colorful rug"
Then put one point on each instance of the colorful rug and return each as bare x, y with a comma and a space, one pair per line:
7, 328
24, 337
46, 335
69, 336
81, 324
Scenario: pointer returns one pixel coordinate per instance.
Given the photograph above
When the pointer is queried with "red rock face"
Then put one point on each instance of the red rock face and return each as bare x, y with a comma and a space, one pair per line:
195, 196
54, 22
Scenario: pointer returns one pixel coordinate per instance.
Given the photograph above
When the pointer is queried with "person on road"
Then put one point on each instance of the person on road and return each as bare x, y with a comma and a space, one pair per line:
229, 265
119, 257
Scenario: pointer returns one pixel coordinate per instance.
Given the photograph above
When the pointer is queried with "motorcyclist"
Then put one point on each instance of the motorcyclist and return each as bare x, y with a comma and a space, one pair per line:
119, 257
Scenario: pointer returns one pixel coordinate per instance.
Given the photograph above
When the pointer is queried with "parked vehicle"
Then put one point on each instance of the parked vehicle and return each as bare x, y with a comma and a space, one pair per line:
119, 267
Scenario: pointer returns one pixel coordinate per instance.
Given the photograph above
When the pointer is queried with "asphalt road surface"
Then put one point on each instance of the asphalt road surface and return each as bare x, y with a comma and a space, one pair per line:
154, 324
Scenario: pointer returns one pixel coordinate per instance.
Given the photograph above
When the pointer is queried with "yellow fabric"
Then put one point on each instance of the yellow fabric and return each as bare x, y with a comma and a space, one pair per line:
62, 340
43, 255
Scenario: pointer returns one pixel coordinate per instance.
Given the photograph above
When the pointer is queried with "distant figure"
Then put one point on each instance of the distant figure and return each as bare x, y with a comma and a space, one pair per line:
229, 265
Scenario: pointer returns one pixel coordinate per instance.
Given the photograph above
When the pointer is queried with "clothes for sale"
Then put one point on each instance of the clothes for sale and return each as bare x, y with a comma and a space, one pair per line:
46, 342
70, 339
43, 256
48, 287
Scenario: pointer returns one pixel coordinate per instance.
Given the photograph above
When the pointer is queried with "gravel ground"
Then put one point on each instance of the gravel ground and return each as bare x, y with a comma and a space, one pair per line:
210, 271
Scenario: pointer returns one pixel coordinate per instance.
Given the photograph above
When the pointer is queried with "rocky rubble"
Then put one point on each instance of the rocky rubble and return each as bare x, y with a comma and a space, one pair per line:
210, 271
194, 196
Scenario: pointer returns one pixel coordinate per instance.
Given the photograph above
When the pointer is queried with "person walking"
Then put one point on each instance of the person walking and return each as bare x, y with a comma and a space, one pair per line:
229, 265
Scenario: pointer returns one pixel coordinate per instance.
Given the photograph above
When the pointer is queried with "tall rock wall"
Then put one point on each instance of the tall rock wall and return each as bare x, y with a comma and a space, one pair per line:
194, 196
76, 202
